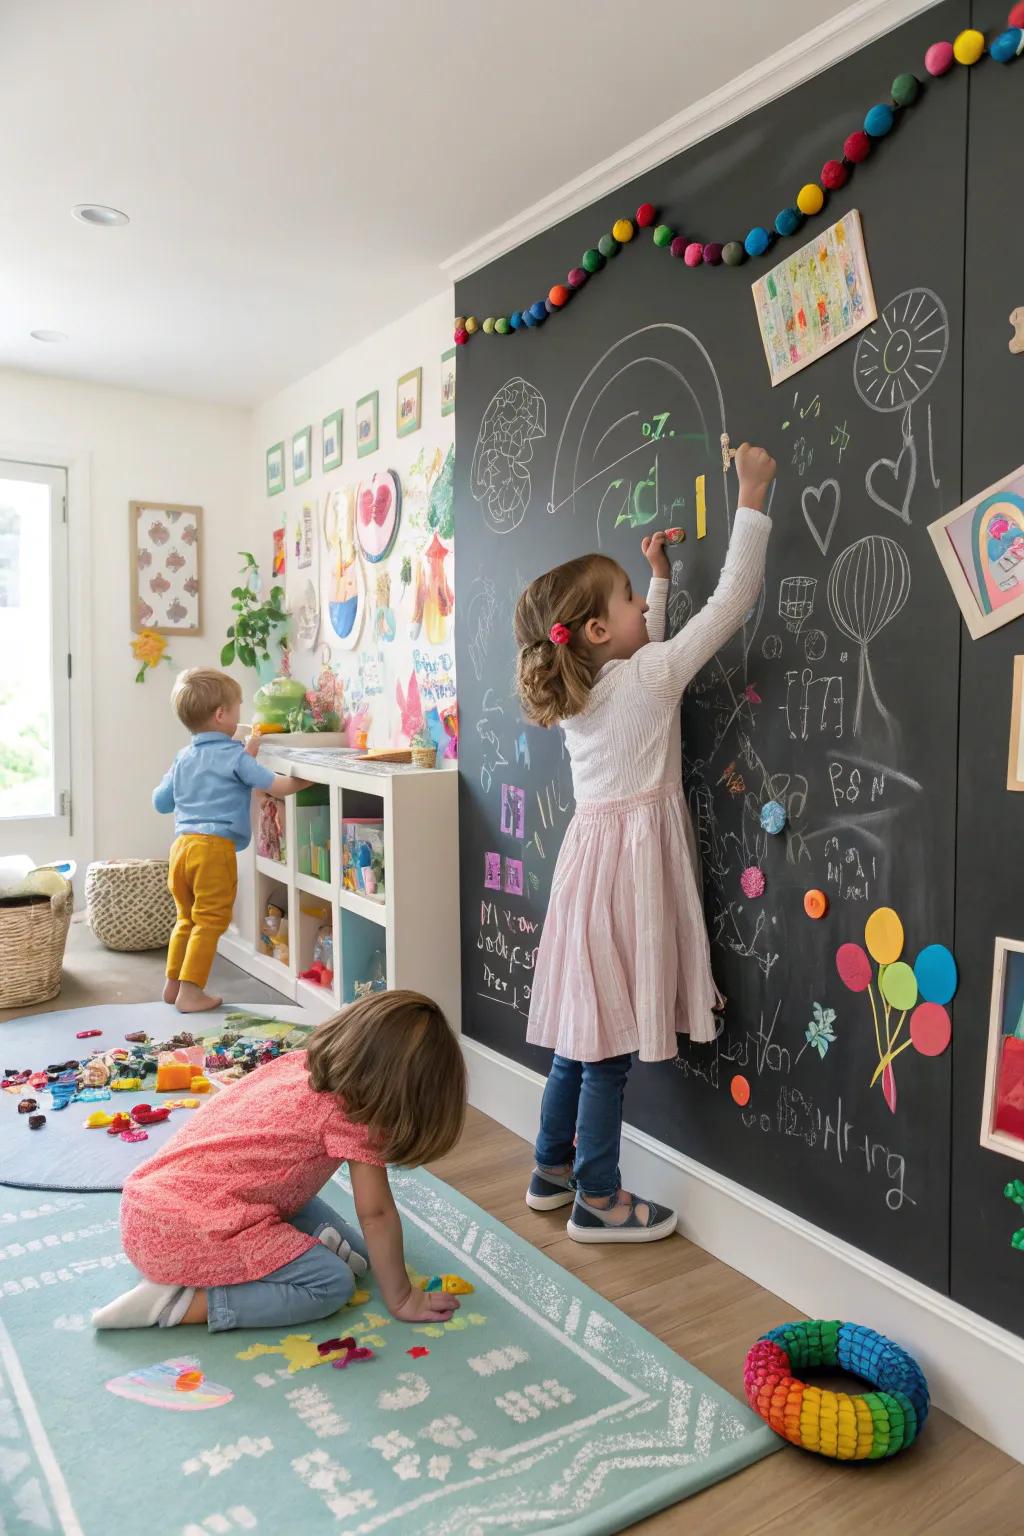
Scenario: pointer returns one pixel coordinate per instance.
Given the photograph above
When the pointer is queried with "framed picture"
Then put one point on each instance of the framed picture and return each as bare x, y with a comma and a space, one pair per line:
331, 443
981, 546
275, 469
408, 403
1015, 765
302, 465
1002, 1114
166, 586
367, 425
277, 569
448, 381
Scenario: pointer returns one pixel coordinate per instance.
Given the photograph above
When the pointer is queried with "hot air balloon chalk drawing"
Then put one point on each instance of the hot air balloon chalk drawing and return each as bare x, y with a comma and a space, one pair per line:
981, 547
868, 587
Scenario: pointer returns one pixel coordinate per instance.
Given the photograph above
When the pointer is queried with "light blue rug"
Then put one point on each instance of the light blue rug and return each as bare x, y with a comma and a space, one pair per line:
62, 1154
541, 1409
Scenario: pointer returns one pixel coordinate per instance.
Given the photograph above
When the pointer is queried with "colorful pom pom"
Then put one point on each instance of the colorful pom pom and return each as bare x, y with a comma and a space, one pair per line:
752, 882
622, 231
538, 311
608, 245
733, 254
1007, 45
515, 319
694, 254
577, 277
472, 324
501, 325
529, 318
905, 90
461, 336
773, 817
833, 175
1016, 16
592, 260
645, 215
969, 46
757, 241
713, 253
559, 295
788, 221
939, 59
459, 322
663, 235
878, 120
488, 325
810, 199
857, 147
549, 307
678, 246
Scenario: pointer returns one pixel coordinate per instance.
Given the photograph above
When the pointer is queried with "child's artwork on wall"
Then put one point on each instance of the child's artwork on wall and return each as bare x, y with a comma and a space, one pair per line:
815, 299
347, 585
408, 402
304, 536
1015, 766
302, 466
379, 507
331, 442
1002, 1116
448, 381
302, 580
435, 599
367, 425
277, 569
981, 546
165, 586
275, 469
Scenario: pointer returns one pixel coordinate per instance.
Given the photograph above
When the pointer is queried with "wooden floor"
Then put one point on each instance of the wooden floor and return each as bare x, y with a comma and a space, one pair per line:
949, 1484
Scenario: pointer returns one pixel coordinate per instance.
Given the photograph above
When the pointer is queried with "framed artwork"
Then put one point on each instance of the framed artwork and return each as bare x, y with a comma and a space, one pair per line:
166, 585
981, 546
277, 569
367, 425
378, 509
448, 381
275, 469
815, 299
331, 442
304, 536
1002, 1114
1015, 765
409, 403
302, 466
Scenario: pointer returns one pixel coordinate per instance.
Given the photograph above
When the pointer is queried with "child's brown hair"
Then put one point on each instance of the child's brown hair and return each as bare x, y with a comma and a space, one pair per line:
395, 1063
554, 681
199, 692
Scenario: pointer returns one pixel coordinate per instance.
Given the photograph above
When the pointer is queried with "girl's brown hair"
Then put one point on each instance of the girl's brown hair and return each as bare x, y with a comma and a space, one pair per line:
395, 1063
554, 681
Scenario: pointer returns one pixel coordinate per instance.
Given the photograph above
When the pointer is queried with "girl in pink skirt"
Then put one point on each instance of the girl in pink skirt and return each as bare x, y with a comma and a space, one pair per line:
624, 964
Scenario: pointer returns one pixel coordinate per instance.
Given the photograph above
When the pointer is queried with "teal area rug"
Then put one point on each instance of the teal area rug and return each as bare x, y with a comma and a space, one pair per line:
540, 1408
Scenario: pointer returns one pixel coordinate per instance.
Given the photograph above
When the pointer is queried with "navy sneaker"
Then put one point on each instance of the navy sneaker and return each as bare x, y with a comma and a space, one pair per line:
548, 1191
589, 1225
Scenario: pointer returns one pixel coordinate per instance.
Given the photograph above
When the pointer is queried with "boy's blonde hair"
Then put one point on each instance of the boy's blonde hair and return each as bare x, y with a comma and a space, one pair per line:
199, 692
395, 1064
554, 681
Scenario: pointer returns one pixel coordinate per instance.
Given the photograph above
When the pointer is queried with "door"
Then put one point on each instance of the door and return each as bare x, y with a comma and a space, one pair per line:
35, 664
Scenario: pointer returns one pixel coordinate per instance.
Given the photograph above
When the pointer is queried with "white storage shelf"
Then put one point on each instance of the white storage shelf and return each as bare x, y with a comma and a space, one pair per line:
415, 929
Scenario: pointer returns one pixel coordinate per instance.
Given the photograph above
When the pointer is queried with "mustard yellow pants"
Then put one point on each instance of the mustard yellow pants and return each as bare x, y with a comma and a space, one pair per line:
203, 880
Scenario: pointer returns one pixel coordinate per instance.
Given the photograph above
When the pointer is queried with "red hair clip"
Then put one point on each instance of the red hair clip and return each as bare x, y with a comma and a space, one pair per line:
559, 635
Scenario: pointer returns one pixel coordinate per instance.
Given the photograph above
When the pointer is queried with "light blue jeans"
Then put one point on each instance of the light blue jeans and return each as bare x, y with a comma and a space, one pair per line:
312, 1286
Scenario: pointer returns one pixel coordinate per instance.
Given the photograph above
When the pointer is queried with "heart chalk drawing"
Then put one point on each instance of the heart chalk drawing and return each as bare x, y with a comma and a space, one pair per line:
815, 501
903, 474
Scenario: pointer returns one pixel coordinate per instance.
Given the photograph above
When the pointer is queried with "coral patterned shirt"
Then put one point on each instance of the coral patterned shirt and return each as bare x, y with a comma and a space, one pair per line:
212, 1206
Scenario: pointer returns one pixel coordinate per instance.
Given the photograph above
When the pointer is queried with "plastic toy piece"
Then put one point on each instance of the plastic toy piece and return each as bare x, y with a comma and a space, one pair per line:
200, 1084
173, 1076
418, 1351
118, 1124
137, 1037
450, 1285
142, 1114
815, 904
126, 1084
27, 1106
36, 1122
98, 1120
88, 1034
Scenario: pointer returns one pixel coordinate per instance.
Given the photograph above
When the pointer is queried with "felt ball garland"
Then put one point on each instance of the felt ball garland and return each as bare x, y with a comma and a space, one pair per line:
967, 48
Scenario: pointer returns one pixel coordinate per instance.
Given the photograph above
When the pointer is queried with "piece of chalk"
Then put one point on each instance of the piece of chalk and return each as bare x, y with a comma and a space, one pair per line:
675, 535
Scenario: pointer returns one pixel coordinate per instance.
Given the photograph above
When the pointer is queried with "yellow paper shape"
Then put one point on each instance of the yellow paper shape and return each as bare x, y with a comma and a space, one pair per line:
883, 935
702, 508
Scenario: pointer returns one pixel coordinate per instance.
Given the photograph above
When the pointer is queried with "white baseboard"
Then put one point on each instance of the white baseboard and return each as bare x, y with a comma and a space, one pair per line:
975, 1369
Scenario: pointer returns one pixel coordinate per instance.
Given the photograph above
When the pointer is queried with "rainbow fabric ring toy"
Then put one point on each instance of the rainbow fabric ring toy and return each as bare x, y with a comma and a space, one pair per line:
866, 1426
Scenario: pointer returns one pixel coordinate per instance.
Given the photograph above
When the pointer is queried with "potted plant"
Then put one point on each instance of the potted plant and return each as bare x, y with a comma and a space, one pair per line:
257, 623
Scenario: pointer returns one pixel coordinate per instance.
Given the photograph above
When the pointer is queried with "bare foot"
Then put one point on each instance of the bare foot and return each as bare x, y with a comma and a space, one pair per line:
171, 989
192, 999
197, 1311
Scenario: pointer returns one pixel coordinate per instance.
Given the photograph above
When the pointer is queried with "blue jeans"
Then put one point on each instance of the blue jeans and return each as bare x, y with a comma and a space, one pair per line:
584, 1099
312, 1286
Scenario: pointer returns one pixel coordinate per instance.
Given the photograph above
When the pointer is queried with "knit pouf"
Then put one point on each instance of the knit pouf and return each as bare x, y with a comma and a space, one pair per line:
128, 903
864, 1426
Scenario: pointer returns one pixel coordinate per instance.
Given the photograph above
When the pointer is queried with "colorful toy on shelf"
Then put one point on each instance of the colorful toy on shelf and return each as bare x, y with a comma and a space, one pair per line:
270, 926
860, 1427
363, 857
377, 981
313, 817
276, 701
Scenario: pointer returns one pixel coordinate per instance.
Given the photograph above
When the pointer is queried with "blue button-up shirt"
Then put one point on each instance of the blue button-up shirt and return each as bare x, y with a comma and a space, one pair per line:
209, 788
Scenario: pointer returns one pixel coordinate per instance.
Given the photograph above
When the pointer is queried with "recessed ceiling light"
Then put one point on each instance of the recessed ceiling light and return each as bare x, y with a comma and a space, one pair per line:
49, 335
97, 213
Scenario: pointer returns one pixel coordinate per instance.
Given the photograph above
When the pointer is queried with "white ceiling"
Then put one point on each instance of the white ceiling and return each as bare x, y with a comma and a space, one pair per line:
297, 170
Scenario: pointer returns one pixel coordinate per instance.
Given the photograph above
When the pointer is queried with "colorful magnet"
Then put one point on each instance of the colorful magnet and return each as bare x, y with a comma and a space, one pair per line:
622, 231
930, 1029
757, 241
883, 935
815, 904
969, 46
733, 253
663, 235
939, 59
810, 199
1007, 45
899, 985
608, 245
788, 221
740, 1090
878, 120
833, 175
936, 972
773, 817
905, 90
752, 882
645, 215
854, 967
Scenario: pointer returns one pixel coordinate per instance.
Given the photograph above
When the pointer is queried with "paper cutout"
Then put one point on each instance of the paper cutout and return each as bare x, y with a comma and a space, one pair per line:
513, 884
513, 811
854, 967
936, 972
297, 1348
899, 985
889, 1087
930, 1029
492, 871
883, 935
158, 1386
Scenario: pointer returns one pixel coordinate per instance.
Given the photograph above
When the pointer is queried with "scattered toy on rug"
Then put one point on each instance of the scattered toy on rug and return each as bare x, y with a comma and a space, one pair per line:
349, 1349
297, 1348
88, 1034
450, 1285
35, 1122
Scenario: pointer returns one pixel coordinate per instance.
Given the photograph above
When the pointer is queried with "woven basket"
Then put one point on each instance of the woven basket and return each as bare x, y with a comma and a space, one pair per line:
424, 757
129, 905
32, 938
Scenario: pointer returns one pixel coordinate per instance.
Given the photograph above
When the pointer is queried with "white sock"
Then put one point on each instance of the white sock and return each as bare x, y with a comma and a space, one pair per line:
332, 1239
176, 1308
138, 1308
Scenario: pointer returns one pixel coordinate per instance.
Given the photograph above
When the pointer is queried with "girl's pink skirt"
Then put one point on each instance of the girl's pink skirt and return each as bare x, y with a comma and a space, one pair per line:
623, 963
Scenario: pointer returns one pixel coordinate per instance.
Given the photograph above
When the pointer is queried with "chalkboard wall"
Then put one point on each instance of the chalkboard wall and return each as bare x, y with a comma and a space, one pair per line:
840, 696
